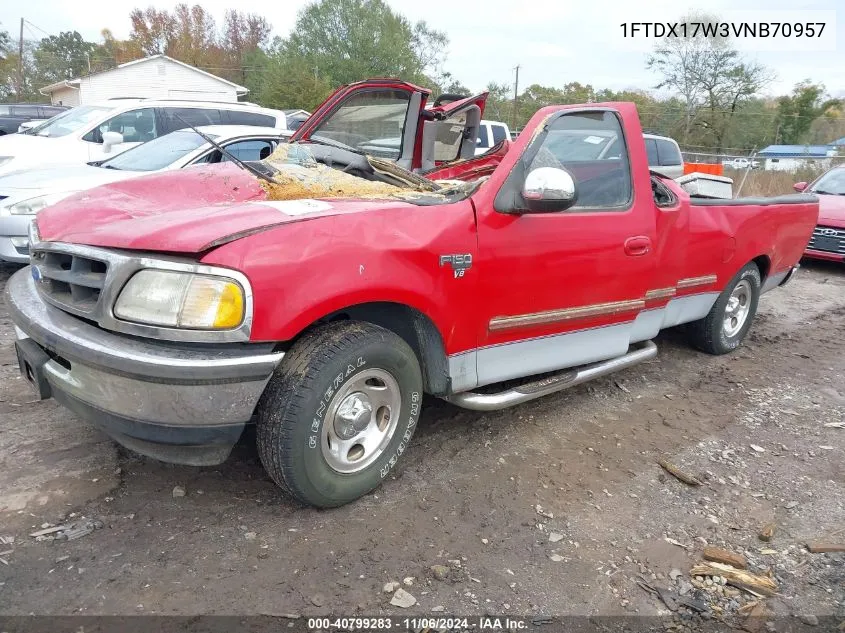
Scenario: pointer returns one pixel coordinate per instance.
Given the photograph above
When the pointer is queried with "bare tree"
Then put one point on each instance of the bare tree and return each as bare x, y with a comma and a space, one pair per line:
709, 75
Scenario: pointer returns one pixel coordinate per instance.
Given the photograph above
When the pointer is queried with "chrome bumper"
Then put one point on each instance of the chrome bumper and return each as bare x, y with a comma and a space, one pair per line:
179, 403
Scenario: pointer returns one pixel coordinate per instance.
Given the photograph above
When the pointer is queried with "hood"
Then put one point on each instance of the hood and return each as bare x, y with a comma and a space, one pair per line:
831, 209
34, 182
183, 211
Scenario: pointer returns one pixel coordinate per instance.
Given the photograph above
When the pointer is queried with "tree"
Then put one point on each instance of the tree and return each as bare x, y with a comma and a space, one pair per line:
796, 112
113, 52
710, 76
63, 56
243, 36
348, 40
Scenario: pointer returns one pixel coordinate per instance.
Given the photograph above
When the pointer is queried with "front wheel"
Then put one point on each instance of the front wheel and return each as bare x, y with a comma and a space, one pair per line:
339, 412
728, 322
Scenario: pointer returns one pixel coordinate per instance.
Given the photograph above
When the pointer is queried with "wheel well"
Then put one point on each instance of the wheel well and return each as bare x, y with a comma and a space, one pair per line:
415, 328
763, 265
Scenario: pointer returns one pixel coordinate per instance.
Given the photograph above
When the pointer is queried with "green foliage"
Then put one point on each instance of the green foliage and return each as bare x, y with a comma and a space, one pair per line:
63, 56
349, 40
797, 112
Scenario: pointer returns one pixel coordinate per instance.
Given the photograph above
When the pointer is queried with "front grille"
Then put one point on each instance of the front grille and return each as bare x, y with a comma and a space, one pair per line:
828, 239
69, 281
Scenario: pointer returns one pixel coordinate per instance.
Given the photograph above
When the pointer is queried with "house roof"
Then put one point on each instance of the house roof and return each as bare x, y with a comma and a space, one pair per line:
74, 83
838, 142
797, 151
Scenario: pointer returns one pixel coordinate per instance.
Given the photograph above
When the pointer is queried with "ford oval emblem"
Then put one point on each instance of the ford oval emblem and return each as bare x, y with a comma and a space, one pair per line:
36, 274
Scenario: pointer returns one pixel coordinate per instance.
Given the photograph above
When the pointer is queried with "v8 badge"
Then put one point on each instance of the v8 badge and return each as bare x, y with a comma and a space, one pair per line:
460, 263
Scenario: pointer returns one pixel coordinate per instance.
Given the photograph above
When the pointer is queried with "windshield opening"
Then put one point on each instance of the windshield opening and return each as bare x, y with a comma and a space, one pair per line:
158, 153
69, 122
832, 182
370, 122
299, 171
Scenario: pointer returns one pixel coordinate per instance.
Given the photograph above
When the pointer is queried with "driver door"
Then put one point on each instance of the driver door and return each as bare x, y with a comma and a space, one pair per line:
565, 288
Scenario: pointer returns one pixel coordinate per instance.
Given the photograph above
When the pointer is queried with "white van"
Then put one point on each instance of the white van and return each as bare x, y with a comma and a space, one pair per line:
102, 130
491, 133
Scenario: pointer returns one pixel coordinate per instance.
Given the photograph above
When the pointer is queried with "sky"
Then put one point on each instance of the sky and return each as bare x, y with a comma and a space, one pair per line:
553, 41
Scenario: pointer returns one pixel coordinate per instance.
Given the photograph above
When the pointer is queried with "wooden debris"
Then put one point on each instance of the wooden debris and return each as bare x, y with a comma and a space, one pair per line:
822, 547
50, 530
766, 532
719, 555
678, 474
753, 583
835, 425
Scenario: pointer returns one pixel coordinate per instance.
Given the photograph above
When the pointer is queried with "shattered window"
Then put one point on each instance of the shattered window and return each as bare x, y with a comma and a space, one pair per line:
371, 122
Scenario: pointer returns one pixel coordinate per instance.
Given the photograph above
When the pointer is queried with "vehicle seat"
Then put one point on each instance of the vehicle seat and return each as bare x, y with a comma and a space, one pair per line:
144, 129
265, 152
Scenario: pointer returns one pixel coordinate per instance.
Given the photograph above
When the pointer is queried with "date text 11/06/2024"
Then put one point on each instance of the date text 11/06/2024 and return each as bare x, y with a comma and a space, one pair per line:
723, 29
487, 623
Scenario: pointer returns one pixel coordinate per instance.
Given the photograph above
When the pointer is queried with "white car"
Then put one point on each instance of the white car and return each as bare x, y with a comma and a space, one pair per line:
24, 193
491, 133
103, 130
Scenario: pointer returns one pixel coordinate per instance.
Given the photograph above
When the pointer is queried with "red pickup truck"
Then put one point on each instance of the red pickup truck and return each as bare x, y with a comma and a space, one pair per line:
325, 298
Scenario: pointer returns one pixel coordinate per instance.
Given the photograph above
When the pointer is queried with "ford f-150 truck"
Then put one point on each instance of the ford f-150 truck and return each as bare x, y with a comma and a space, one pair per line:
322, 299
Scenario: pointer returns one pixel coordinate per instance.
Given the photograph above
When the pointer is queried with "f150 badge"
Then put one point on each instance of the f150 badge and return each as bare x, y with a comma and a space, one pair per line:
460, 263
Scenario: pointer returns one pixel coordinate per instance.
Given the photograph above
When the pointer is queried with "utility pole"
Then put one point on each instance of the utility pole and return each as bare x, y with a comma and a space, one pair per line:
20, 63
515, 98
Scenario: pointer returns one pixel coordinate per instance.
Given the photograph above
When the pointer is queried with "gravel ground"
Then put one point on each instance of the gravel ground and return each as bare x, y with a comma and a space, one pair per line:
554, 507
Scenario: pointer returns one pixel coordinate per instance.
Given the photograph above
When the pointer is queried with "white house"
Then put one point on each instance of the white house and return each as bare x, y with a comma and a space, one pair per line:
792, 157
156, 77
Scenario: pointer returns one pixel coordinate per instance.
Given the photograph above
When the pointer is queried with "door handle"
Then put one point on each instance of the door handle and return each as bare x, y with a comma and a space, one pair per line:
639, 245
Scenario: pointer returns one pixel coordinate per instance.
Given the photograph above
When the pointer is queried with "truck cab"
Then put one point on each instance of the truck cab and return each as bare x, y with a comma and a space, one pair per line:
321, 292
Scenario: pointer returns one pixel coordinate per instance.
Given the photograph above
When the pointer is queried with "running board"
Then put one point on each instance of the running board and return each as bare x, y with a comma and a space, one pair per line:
551, 384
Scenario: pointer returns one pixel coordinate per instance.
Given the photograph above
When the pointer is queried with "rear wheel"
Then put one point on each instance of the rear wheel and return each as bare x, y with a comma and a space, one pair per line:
728, 322
339, 412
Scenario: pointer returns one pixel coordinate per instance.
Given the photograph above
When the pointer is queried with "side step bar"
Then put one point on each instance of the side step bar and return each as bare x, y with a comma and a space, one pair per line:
551, 384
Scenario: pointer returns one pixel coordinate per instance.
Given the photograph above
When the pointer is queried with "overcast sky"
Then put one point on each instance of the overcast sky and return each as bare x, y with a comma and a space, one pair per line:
554, 41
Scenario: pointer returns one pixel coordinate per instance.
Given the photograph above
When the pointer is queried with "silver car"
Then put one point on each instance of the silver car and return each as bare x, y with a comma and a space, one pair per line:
24, 193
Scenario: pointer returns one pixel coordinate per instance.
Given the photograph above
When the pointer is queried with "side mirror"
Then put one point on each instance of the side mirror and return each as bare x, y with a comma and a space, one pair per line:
549, 189
110, 139
799, 186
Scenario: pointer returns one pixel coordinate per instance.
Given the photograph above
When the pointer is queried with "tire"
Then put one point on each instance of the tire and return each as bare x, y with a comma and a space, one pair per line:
341, 383
718, 334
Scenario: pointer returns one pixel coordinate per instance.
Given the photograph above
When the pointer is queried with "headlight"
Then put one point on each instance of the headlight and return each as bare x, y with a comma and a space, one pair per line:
34, 205
181, 300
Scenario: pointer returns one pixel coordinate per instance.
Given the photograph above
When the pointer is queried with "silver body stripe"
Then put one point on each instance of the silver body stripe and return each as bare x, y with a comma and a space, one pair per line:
495, 363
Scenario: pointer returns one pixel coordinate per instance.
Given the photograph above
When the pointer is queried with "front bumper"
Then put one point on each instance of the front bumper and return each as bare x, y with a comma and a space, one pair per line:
825, 255
185, 404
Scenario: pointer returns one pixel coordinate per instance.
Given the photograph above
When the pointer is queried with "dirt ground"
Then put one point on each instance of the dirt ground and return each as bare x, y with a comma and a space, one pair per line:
554, 507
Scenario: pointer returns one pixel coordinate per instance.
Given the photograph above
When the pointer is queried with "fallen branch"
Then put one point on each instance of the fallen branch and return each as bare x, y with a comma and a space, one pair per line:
718, 555
821, 547
753, 583
677, 473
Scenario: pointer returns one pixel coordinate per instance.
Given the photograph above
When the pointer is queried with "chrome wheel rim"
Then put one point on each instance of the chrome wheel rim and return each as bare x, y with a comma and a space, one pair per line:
739, 305
361, 419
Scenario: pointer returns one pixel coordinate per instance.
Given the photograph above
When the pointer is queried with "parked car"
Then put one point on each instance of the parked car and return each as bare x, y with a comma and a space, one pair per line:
742, 163
24, 193
828, 239
99, 131
491, 133
664, 155
172, 309
12, 115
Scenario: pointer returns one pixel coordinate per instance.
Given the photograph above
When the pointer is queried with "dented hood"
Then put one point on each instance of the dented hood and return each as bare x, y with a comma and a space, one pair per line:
185, 211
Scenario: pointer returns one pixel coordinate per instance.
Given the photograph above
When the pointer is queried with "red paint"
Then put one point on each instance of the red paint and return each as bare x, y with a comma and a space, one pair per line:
303, 267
